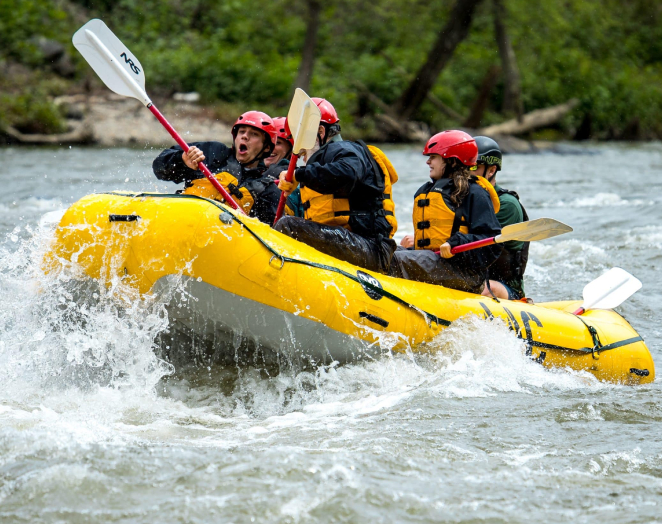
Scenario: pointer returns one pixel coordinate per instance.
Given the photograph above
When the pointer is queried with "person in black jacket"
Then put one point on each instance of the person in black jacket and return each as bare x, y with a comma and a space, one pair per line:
453, 208
342, 195
240, 169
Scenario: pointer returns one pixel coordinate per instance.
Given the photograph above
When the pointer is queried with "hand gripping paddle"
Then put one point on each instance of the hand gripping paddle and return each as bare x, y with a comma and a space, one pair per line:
609, 290
122, 73
303, 119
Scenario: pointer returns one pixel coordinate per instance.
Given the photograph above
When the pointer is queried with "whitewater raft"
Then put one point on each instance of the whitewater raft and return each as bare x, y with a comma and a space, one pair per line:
244, 281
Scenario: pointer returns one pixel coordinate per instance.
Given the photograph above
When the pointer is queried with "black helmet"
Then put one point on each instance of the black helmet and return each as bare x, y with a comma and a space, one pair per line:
489, 153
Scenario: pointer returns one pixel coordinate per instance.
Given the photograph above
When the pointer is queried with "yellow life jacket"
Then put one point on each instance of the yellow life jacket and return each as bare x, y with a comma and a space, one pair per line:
335, 211
434, 221
390, 178
203, 187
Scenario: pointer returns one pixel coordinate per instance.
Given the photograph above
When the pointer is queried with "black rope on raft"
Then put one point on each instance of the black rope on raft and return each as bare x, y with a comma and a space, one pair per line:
595, 350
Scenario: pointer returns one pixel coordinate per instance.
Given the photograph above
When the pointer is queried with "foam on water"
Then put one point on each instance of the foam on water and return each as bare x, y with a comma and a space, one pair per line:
600, 200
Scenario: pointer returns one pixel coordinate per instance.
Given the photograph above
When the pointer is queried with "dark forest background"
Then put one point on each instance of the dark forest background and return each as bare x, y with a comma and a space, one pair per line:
392, 68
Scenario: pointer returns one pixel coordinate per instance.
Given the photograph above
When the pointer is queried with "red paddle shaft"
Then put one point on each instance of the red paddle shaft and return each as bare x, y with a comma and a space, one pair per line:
474, 245
580, 311
214, 182
288, 177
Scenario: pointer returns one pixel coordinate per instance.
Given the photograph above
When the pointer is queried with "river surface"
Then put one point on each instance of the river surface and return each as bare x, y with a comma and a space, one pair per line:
94, 428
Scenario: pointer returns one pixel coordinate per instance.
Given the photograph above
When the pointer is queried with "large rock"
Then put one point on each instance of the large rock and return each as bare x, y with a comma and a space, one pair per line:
56, 56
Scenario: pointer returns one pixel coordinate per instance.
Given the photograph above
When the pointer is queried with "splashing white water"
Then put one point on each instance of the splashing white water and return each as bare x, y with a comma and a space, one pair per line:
79, 363
60, 332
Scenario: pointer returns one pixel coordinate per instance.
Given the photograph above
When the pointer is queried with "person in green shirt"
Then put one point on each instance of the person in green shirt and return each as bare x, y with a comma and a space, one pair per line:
506, 275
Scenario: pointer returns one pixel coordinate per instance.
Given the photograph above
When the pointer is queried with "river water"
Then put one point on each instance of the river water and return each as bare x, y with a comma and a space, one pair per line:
94, 428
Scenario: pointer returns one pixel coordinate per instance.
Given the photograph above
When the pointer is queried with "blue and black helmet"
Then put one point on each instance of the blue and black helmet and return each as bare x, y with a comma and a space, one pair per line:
489, 153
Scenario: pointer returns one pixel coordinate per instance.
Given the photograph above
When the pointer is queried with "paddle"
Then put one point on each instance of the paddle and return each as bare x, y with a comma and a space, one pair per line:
122, 73
538, 229
609, 290
305, 116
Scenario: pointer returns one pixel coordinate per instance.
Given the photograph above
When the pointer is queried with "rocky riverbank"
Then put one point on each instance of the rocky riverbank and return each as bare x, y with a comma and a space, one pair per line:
113, 120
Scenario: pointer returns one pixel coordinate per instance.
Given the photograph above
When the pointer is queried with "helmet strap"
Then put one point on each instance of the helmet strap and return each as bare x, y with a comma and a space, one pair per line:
491, 179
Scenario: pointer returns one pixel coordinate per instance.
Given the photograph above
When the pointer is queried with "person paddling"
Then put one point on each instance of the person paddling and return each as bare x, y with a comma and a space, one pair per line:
279, 160
453, 208
241, 168
507, 273
342, 190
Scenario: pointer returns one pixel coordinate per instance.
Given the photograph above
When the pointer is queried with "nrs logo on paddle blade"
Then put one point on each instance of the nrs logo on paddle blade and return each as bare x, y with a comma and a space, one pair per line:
133, 66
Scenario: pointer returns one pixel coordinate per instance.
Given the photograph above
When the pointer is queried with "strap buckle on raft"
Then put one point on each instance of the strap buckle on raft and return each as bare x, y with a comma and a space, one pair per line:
597, 345
279, 257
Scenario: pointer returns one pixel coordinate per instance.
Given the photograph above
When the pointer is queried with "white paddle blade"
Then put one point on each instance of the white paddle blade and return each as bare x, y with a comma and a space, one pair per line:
610, 290
117, 67
303, 118
538, 229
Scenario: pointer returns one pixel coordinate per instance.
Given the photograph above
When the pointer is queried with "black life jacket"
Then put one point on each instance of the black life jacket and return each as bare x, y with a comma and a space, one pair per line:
244, 185
511, 264
360, 210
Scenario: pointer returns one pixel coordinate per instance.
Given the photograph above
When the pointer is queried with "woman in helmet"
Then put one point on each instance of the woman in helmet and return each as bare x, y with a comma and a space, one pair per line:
240, 168
453, 208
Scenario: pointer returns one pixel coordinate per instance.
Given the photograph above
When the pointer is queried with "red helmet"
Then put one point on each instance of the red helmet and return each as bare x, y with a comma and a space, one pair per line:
258, 120
329, 115
453, 144
283, 129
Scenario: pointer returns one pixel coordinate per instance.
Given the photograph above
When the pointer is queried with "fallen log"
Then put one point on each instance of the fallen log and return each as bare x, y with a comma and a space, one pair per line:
81, 133
530, 121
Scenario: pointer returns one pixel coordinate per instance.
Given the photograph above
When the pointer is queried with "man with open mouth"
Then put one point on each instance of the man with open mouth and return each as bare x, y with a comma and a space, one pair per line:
241, 169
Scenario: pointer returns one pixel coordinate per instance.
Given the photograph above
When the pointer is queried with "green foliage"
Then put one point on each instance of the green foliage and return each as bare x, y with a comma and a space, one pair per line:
245, 53
21, 22
31, 112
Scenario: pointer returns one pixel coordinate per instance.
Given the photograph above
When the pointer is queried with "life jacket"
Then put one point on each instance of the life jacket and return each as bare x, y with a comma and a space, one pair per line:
511, 264
436, 219
335, 210
390, 178
241, 195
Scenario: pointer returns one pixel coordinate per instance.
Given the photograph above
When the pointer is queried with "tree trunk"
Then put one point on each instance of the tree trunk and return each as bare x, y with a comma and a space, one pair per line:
530, 121
480, 104
305, 74
512, 96
455, 30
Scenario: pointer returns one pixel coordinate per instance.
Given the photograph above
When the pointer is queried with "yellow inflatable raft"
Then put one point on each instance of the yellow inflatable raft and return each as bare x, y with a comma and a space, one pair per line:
244, 278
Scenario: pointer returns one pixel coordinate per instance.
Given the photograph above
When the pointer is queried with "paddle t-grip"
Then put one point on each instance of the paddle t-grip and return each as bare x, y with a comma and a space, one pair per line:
289, 176
180, 141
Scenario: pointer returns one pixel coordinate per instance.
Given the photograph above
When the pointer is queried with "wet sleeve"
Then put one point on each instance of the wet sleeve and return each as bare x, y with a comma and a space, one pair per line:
266, 203
170, 166
483, 224
342, 171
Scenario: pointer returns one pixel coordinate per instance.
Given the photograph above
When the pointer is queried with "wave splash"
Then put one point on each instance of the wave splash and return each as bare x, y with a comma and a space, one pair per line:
60, 331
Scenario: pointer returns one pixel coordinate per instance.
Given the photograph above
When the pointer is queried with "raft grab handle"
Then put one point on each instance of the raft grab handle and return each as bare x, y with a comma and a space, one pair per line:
373, 318
123, 218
